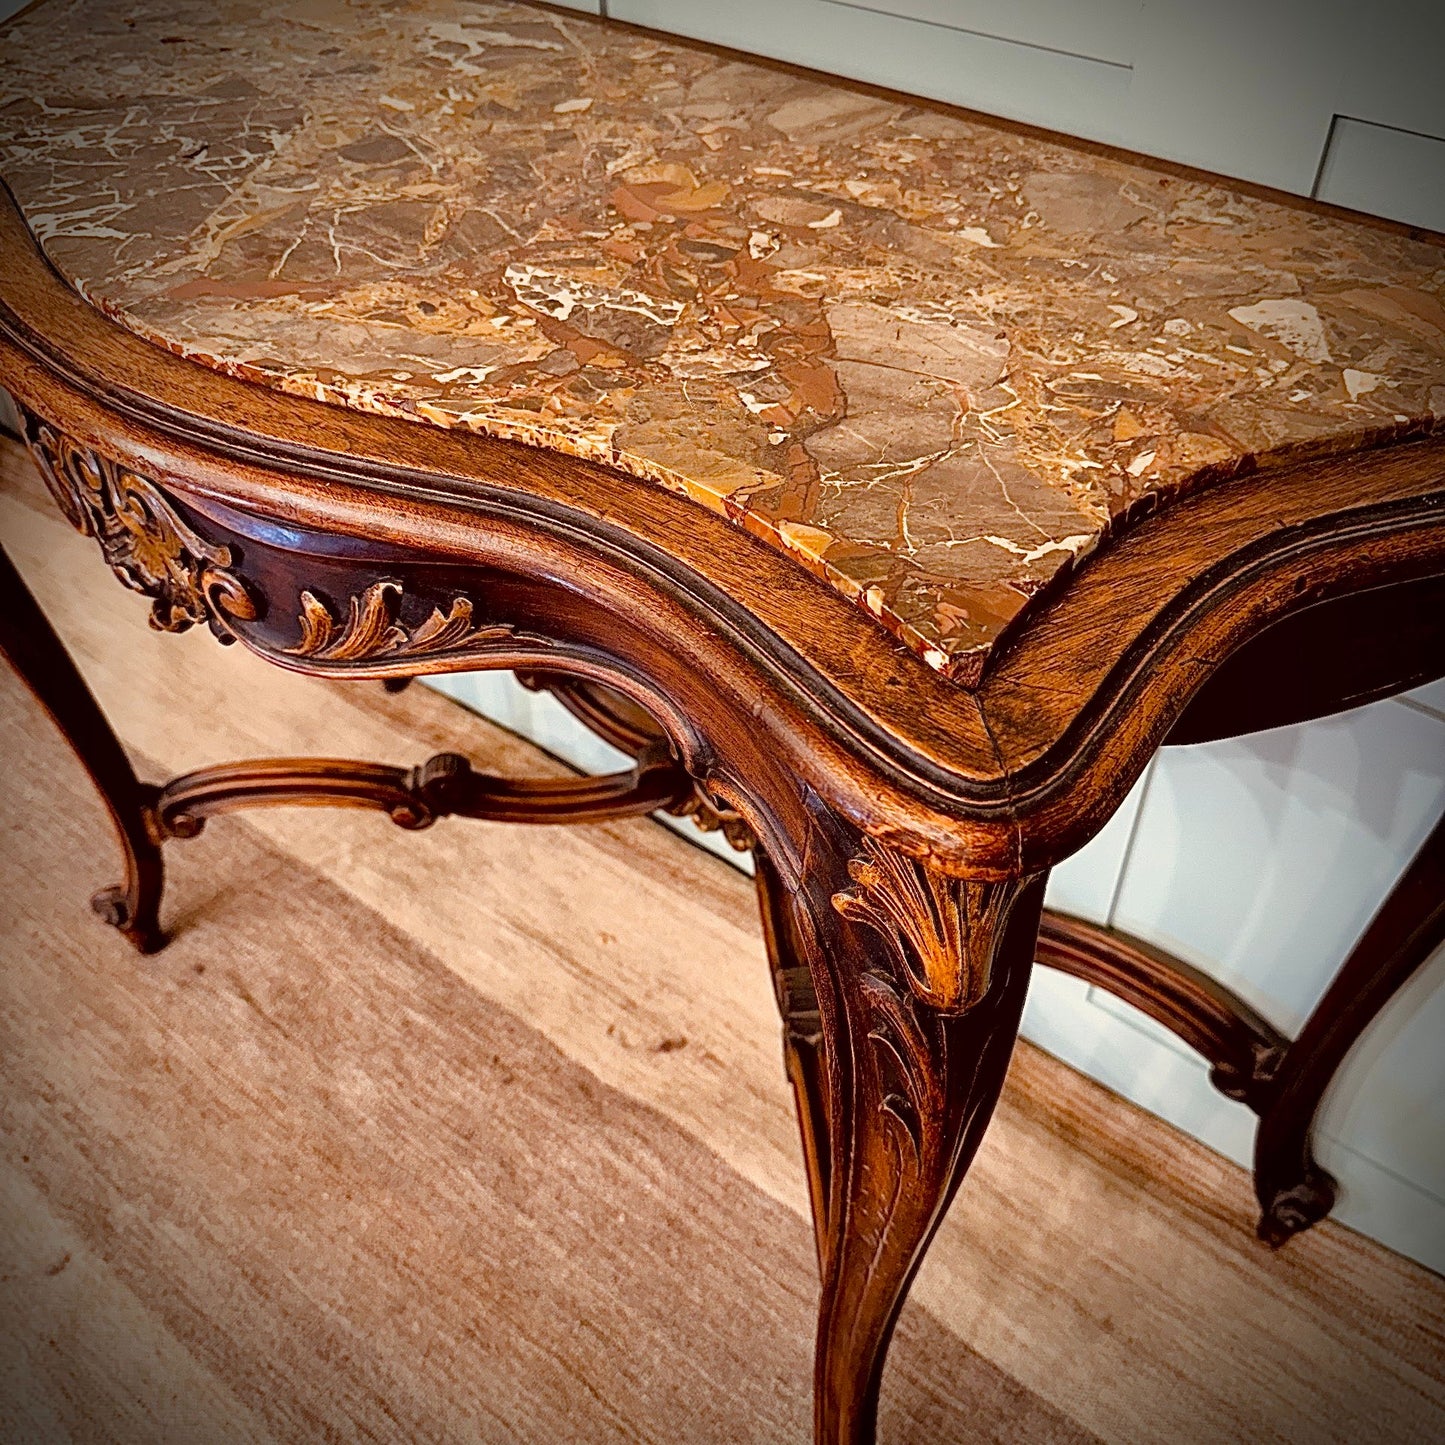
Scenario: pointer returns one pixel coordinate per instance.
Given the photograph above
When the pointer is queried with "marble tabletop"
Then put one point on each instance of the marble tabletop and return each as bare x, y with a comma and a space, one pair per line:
934, 359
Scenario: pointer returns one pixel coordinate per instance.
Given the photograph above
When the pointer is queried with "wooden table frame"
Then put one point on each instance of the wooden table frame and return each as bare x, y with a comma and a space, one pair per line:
1282, 1080
903, 825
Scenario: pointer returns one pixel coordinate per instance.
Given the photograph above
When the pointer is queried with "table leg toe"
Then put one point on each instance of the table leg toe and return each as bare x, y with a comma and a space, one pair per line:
1289, 1210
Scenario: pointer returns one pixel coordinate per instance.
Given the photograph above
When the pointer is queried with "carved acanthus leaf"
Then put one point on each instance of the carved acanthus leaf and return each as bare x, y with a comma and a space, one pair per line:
906, 1045
945, 929
371, 630
144, 539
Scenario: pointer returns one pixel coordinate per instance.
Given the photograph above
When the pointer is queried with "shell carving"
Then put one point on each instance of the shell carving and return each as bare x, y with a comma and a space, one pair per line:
945, 929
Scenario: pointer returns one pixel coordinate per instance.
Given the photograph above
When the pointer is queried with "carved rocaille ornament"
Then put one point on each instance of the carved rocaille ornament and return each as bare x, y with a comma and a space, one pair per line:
945, 932
371, 630
944, 929
156, 552
711, 816
144, 539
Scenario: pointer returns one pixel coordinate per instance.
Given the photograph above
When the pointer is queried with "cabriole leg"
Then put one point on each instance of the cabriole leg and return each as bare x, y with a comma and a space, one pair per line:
901, 991
1293, 1191
31, 646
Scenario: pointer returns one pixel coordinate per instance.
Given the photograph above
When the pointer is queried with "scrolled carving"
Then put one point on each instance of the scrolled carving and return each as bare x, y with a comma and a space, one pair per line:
711, 816
944, 929
371, 630
147, 543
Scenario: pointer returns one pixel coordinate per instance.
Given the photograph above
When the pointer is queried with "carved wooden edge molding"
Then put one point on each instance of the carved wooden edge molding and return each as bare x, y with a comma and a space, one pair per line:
145, 541
944, 929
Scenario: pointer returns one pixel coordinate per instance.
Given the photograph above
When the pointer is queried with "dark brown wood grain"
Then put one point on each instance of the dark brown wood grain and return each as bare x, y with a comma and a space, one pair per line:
446, 785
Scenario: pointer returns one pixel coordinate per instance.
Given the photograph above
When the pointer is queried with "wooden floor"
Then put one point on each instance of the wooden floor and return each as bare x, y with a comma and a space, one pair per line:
482, 1134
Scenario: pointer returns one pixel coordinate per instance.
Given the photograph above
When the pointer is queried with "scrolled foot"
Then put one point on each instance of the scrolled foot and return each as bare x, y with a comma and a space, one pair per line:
113, 906
1291, 1211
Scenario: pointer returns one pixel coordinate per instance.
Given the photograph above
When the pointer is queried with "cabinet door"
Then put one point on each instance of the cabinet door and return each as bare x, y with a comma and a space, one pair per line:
1246, 89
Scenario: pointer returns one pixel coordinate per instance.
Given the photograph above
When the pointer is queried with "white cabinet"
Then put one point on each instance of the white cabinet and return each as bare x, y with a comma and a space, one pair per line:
1385, 170
1105, 31
1249, 89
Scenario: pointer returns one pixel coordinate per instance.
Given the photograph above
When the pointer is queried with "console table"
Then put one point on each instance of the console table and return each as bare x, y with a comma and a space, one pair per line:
890, 482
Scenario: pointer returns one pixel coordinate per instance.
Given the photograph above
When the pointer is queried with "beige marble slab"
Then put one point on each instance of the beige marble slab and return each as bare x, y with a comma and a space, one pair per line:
934, 359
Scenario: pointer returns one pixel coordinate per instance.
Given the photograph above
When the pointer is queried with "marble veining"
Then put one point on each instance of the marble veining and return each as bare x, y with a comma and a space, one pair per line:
934, 360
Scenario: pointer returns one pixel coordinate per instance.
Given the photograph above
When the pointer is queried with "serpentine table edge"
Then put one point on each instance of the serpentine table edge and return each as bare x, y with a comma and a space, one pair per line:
904, 824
